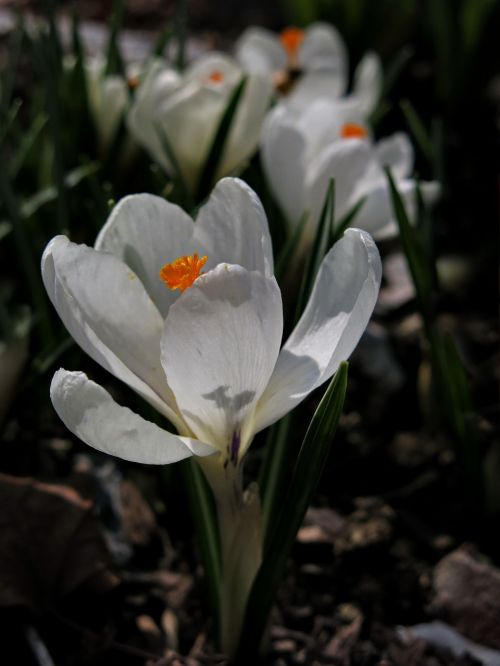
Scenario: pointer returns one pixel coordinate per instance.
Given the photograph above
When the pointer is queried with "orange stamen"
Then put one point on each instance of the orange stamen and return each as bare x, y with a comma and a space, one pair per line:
133, 82
353, 131
215, 77
182, 272
291, 39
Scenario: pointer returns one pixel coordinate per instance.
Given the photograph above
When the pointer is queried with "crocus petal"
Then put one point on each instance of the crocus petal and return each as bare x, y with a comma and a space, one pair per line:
258, 50
283, 154
367, 86
107, 311
146, 232
219, 347
346, 162
377, 215
89, 412
200, 70
321, 123
323, 49
158, 84
232, 228
244, 134
189, 125
313, 86
396, 152
341, 303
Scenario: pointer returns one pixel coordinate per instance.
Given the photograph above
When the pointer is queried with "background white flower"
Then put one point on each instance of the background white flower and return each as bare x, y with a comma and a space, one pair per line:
188, 108
310, 64
302, 149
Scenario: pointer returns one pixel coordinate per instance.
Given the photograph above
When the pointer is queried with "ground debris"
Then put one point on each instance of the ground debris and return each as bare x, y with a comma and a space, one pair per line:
467, 595
369, 525
51, 544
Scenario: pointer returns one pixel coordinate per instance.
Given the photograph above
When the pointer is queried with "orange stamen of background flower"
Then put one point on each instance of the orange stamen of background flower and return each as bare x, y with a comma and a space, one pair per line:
353, 131
133, 82
215, 77
291, 39
182, 272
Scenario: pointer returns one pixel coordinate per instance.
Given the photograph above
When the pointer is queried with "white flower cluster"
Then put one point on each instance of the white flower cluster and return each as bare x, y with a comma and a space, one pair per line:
205, 348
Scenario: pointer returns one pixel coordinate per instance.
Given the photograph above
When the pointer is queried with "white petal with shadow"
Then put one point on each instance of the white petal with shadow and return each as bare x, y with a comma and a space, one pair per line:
232, 228
90, 413
107, 311
338, 311
283, 159
259, 50
146, 232
219, 347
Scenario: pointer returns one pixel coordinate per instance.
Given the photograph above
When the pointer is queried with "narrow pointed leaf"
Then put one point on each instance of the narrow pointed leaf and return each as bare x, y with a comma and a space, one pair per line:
26, 256
309, 465
43, 52
346, 221
219, 141
275, 473
114, 62
9, 73
413, 249
319, 248
417, 128
289, 248
163, 40
177, 176
27, 144
454, 394
204, 515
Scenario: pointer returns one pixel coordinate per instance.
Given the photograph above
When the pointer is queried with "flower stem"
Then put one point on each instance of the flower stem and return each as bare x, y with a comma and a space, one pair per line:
239, 519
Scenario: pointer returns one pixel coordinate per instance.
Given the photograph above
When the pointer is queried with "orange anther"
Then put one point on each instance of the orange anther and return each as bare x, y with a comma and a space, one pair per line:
215, 77
182, 272
353, 131
291, 39
133, 82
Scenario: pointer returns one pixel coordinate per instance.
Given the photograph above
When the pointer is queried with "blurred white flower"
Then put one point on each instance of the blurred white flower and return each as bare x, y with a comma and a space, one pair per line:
108, 96
302, 149
187, 109
310, 64
206, 356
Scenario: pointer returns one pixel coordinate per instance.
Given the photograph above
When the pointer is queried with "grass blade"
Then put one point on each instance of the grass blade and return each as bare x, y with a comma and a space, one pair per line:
27, 144
219, 142
43, 52
203, 510
114, 61
454, 393
319, 249
180, 23
275, 471
307, 471
9, 74
347, 221
289, 249
420, 134
177, 175
27, 260
415, 254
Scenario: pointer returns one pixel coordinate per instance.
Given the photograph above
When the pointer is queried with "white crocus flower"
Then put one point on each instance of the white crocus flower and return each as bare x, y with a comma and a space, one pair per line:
108, 96
318, 48
302, 149
310, 64
187, 109
209, 357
